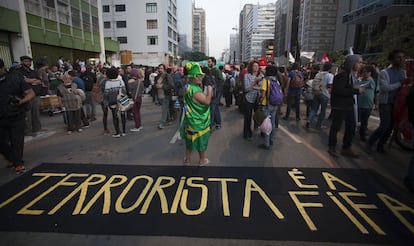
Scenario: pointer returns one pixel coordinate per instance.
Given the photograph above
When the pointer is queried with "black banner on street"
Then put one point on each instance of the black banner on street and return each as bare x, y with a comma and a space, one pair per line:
306, 204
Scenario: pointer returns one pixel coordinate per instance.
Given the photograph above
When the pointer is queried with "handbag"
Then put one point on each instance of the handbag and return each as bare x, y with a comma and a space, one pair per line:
259, 116
124, 102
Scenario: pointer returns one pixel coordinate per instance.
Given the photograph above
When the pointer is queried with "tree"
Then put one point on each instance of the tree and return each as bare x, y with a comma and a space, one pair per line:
398, 34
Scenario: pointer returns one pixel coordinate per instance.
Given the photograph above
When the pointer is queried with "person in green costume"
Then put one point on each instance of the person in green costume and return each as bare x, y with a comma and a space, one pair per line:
195, 125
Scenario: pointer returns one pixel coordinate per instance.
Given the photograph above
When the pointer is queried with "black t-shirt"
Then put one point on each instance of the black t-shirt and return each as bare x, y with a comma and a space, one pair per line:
12, 88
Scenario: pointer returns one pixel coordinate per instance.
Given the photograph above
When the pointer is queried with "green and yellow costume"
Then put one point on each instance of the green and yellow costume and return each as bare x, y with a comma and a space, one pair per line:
195, 127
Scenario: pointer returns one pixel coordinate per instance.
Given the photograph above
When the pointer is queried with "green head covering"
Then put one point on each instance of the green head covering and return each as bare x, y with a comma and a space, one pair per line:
193, 69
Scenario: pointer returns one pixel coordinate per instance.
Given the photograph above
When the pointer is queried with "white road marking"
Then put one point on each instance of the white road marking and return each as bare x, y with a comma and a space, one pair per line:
292, 136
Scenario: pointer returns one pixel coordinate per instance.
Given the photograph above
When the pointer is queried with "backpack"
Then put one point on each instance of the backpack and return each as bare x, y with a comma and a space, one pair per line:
275, 94
88, 80
317, 84
297, 81
227, 84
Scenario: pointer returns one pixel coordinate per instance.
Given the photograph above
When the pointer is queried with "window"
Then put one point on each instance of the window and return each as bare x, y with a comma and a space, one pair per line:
120, 8
122, 40
121, 24
105, 8
107, 24
152, 24
49, 3
151, 7
76, 22
152, 40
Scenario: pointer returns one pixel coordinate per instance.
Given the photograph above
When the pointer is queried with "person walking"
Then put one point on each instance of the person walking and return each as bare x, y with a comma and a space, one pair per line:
267, 107
219, 82
15, 92
251, 85
322, 96
365, 100
113, 87
33, 124
345, 86
390, 80
164, 85
195, 127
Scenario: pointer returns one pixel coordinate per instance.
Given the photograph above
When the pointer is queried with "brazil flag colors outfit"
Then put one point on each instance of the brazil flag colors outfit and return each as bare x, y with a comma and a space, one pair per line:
195, 127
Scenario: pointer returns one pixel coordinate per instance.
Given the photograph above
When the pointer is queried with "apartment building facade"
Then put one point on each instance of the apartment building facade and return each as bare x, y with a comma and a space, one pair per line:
147, 29
53, 28
199, 30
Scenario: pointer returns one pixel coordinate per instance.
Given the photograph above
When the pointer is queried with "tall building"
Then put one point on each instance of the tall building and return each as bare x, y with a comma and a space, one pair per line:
53, 28
257, 24
317, 25
185, 26
147, 30
286, 28
234, 51
263, 30
370, 18
199, 30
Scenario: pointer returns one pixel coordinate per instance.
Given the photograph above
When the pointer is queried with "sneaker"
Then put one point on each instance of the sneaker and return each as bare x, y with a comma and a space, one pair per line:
69, 132
332, 152
80, 130
135, 129
86, 126
20, 169
161, 126
123, 134
218, 127
348, 152
116, 135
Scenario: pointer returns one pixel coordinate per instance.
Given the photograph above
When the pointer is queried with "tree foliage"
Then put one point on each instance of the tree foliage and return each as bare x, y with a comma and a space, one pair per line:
398, 34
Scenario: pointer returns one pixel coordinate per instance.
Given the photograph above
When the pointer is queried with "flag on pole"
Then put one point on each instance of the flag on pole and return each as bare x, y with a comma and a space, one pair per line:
325, 58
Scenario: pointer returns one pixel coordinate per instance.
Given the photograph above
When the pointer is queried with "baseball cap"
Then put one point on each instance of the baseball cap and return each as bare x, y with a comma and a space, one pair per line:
22, 58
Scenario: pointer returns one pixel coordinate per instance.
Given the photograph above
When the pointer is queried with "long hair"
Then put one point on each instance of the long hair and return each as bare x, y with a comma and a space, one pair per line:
250, 66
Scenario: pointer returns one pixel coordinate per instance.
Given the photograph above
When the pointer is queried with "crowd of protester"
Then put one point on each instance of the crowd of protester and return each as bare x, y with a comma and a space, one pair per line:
352, 91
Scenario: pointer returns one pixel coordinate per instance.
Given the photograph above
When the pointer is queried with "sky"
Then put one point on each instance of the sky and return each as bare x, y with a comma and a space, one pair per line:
221, 17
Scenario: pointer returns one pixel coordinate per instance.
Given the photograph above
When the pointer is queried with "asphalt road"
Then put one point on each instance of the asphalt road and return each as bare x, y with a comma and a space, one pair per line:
295, 147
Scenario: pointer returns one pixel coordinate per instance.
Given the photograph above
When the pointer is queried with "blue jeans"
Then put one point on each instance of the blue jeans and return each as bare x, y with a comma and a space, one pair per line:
319, 100
215, 116
364, 114
384, 130
90, 106
272, 111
